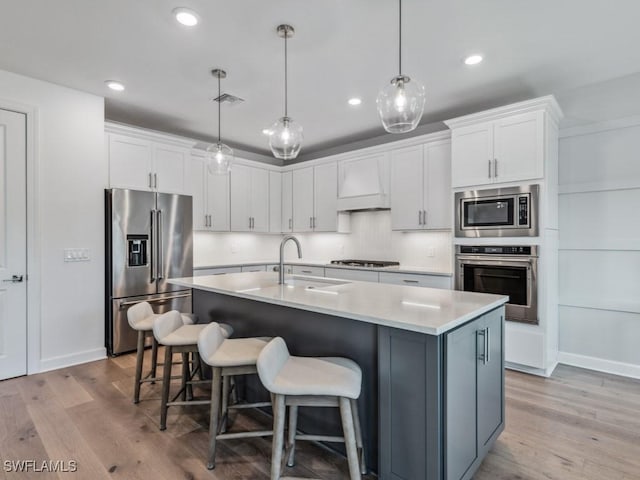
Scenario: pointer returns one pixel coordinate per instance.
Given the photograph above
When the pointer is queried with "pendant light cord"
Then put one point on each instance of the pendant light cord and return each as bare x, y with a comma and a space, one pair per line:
218, 108
286, 106
399, 37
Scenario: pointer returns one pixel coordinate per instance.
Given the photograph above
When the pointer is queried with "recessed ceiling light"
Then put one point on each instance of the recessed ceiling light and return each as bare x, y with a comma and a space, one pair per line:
114, 85
355, 101
473, 59
186, 17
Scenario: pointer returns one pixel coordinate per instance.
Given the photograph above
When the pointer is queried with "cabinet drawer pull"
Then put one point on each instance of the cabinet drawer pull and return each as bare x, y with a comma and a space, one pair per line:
409, 281
306, 271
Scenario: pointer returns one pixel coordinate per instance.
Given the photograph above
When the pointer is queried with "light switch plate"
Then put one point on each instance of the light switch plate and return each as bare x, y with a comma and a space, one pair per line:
77, 255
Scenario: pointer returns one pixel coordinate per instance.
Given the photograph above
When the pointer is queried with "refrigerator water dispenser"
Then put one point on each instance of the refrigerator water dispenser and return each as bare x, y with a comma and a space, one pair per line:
137, 250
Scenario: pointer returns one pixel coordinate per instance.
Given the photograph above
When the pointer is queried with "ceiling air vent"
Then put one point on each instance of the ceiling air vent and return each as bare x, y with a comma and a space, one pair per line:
228, 98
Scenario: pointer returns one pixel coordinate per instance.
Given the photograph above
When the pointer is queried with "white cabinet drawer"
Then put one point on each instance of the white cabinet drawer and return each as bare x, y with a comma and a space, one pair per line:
416, 280
307, 270
351, 274
216, 271
254, 268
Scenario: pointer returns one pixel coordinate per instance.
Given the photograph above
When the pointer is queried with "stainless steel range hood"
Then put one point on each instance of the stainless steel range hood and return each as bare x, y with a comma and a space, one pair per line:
363, 183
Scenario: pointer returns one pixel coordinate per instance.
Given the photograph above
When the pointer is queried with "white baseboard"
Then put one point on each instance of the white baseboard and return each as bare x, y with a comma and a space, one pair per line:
600, 365
54, 363
531, 370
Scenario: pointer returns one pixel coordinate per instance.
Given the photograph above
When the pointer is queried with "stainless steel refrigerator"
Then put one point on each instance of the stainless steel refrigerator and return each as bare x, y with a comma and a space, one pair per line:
149, 239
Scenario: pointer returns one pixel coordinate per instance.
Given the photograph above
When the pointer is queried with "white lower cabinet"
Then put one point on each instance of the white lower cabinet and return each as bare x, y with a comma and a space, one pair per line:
351, 274
307, 270
216, 271
254, 268
416, 280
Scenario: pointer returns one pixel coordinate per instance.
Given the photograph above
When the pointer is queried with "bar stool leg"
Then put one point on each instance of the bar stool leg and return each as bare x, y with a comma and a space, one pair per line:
139, 360
214, 416
166, 383
185, 378
349, 438
278, 437
225, 404
358, 429
154, 356
293, 425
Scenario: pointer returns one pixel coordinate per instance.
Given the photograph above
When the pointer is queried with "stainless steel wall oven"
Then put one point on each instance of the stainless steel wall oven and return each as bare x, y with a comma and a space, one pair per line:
504, 270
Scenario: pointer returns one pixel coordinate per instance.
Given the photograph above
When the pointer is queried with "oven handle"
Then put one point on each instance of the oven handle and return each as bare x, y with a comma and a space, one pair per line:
506, 262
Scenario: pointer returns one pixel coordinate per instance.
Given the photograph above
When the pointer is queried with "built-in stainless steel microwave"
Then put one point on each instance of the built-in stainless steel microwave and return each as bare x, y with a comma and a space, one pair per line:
500, 212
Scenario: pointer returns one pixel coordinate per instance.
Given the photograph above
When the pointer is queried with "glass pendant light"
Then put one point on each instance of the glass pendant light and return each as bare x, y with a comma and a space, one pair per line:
285, 137
219, 156
401, 103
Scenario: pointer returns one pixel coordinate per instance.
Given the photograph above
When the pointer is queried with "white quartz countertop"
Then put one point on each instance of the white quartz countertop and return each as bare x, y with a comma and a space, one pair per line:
425, 310
327, 264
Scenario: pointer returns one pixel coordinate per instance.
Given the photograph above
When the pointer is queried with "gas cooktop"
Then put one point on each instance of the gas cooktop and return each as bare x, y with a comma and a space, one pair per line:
365, 263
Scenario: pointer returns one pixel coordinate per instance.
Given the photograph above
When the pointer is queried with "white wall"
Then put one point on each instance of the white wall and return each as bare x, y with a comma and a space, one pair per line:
370, 238
600, 247
71, 174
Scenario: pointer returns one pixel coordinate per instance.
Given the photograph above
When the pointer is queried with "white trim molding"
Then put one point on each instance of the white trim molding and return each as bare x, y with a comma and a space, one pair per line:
598, 127
33, 233
54, 363
599, 364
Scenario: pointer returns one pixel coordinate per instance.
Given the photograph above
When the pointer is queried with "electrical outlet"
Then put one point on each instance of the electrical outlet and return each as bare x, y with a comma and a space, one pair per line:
431, 252
234, 247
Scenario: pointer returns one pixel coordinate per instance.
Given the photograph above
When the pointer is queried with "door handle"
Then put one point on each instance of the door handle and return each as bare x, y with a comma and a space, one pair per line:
152, 263
310, 222
211, 221
160, 247
487, 338
15, 279
495, 167
483, 357
489, 173
424, 217
150, 181
152, 300
419, 217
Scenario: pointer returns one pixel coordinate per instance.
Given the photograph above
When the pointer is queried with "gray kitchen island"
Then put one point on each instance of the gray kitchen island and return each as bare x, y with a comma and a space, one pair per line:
432, 401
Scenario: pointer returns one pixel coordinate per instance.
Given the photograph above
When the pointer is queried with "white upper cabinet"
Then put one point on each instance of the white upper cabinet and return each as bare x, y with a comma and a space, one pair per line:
169, 168
407, 185
421, 187
315, 197
303, 200
210, 198
142, 164
325, 188
287, 202
275, 202
506, 144
249, 199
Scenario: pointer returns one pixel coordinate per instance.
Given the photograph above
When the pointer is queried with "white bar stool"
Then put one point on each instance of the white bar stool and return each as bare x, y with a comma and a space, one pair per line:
170, 331
141, 317
227, 358
311, 382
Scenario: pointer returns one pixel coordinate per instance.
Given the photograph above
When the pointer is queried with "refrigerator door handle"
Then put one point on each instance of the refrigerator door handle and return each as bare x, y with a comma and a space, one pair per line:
152, 262
160, 255
152, 300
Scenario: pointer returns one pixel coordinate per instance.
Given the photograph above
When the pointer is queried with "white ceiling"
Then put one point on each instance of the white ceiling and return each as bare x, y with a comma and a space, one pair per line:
342, 48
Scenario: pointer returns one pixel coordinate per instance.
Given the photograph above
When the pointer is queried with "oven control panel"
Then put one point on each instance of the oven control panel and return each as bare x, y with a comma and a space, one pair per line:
497, 250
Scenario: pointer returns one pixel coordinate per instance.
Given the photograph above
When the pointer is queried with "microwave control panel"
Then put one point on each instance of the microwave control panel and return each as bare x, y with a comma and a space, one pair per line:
523, 210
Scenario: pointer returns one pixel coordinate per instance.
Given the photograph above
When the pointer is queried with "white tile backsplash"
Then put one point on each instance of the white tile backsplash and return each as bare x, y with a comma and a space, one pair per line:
371, 238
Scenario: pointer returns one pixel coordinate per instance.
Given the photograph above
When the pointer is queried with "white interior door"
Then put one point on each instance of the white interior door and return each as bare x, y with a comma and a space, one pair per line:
13, 245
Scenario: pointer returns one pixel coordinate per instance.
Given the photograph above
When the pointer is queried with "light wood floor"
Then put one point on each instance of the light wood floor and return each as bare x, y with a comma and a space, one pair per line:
576, 425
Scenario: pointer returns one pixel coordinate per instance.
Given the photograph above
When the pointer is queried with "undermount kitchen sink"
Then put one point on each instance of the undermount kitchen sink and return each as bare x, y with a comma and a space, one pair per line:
309, 282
